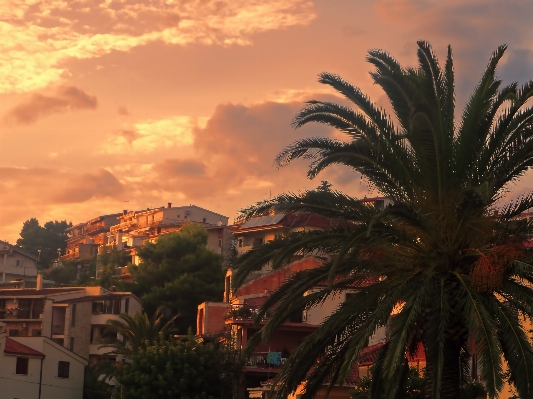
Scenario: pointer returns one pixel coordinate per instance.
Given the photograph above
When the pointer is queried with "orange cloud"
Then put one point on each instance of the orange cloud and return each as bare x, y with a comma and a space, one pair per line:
81, 188
37, 37
39, 105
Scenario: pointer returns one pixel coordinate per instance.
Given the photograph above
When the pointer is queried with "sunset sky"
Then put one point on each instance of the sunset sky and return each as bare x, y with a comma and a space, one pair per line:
128, 104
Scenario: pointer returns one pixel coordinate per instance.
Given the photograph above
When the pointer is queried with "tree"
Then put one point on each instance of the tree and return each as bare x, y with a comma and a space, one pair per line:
176, 370
48, 239
447, 254
138, 331
179, 272
413, 388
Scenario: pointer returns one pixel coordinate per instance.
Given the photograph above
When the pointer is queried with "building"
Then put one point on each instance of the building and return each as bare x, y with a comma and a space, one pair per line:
234, 316
16, 265
73, 317
38, 367
85, 238
135, 228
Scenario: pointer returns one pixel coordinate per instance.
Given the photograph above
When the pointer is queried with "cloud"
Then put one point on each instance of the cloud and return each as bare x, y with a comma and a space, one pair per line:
150, 135
36, 38
90, 185
39, 105
233, 155
122, 111
55, 194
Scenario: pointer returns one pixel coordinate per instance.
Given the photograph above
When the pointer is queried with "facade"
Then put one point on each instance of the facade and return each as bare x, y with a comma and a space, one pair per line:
85, 238
37, 367
135, 228
16, 264
73, 317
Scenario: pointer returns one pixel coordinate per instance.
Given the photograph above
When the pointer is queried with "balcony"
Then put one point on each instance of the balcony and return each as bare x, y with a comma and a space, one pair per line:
58, 329
21, 314
266, 360
247, 313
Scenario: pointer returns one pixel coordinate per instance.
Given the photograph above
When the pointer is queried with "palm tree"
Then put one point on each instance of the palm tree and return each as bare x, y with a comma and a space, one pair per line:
138, 331
446, 253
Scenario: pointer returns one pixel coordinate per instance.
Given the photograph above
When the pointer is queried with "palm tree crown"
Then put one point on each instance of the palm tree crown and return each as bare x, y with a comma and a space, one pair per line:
138, 331
443, 250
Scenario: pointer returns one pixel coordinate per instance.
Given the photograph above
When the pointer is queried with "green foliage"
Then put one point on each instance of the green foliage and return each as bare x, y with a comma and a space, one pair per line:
138, 331
179, 272
47, 238
65, 274
177, 370
459, 268
414, 388
106, 263
68, 273
473, 390
93, 385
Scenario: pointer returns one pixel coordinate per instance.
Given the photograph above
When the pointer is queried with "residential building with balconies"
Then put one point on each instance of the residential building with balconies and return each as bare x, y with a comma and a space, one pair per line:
85, 238
73, 317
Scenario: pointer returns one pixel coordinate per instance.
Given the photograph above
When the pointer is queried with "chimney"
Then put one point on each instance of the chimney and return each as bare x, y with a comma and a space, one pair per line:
169, 205
39, 285
124, 211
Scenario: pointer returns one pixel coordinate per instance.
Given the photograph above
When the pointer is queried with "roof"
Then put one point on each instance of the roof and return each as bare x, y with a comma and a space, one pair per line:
366, 357
16, 348
19, 250
11, 292
284, 220
263, 221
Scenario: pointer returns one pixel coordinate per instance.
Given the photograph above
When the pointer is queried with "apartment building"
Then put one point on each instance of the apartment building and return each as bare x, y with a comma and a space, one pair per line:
85, 238
16, 264
135, 228
38, 367
73, 317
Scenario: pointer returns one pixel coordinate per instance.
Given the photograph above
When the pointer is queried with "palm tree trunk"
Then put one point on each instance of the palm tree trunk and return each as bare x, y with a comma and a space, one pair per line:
451, 373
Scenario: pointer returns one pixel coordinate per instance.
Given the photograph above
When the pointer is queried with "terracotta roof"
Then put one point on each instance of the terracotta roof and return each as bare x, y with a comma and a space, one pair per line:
16, 348
11, 292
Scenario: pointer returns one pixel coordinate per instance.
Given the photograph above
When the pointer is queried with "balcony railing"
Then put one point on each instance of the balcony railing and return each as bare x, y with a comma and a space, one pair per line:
266, 360
243, 312
24, 314
58, 329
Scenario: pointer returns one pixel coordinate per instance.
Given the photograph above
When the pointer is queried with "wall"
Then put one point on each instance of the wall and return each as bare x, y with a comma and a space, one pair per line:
213, 314
54, 387
81, 331
318, 313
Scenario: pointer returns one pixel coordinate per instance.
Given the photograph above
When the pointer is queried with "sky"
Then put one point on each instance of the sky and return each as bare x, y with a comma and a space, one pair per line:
108, 105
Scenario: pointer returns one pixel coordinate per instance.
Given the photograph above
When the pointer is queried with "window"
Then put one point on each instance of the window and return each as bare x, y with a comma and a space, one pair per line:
204, 220
71, 347
14, 333
116, 306
220, 243
22, 365
63, 369
36, 333
240, 242
73, 315
126, 305
107, 307
17, 262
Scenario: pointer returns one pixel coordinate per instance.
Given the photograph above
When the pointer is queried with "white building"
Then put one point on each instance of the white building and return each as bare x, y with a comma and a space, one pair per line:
38, 368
